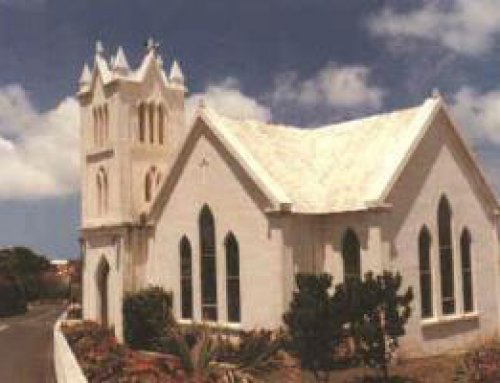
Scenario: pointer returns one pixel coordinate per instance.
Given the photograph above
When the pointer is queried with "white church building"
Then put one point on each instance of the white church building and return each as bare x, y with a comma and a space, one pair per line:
225, 212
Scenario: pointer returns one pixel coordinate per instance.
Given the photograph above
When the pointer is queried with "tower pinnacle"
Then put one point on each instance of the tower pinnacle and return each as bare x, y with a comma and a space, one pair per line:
176, 75
99, 48
120, 63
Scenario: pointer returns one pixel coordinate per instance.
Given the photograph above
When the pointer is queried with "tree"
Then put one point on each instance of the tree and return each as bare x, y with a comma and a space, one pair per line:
385, 314
26, 266
12, 298
315, 330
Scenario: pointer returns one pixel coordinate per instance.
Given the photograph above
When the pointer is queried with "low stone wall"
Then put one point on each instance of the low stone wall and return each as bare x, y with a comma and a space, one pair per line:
65, 364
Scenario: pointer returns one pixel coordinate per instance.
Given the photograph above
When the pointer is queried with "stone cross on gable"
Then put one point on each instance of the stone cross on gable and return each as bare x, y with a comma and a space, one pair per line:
151, 45
204, 165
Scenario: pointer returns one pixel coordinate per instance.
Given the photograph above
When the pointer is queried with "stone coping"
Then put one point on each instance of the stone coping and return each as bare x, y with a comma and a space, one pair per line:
65, 364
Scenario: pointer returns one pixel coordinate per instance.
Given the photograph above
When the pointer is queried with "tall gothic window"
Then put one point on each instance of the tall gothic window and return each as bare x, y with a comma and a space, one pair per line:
233, 278
351, 255
99, 126
147, 187
151, 123
99, 193
150, 184
161, 124
208, 269
446, 257
424, 252
106, 123
465, 250
186, 278
96, 129
142, 122
102, 191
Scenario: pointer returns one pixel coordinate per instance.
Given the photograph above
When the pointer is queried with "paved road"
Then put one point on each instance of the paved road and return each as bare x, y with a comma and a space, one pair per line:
26, 346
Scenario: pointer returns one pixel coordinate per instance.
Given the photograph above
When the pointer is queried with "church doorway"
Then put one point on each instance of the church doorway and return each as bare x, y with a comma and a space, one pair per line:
103, 291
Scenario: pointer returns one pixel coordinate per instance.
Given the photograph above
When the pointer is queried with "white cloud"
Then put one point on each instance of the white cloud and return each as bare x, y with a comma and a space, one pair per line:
333, 86
227, 99
465, 26
477, 113
38, 151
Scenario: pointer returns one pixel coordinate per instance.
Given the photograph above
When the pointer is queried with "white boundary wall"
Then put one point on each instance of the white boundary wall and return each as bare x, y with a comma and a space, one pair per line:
67, 368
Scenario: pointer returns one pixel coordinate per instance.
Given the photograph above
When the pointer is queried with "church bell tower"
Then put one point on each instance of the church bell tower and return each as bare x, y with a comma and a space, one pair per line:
132, 123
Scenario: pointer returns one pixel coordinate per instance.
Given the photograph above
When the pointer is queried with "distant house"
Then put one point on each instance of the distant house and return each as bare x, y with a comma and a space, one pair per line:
224, 212
62, 267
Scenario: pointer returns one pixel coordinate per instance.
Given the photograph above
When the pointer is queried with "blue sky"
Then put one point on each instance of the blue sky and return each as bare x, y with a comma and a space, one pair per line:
302, 62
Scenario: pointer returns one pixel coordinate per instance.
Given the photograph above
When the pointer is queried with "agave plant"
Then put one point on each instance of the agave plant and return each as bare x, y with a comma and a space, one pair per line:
252, 356
196, 354
209, 358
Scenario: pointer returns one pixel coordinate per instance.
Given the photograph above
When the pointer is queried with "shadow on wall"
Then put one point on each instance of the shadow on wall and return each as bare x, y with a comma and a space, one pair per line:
450, 329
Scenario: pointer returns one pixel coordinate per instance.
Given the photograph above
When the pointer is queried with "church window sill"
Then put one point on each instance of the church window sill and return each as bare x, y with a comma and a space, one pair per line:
449, 319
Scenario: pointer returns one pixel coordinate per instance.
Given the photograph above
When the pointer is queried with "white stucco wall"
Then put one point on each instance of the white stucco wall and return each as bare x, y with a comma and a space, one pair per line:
98, 248
439, 168
389, 240
237, 206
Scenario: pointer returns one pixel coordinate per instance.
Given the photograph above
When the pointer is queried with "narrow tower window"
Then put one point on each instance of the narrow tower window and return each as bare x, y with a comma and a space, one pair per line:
151, 123
142, 122
106, 123
161, 124
102, 191
150, 183
94, 114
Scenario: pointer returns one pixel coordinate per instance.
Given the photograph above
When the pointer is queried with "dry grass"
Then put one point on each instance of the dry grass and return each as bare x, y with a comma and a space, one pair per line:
425, 370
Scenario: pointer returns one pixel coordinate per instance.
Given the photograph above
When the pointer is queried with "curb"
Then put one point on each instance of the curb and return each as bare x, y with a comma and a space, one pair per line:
66, 366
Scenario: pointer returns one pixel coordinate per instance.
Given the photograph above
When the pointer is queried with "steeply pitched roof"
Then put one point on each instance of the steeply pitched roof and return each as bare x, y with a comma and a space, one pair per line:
339, 167
348, 166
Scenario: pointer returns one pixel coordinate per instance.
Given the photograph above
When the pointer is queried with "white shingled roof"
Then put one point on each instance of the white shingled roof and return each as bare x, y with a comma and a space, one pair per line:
348, 166
341, 167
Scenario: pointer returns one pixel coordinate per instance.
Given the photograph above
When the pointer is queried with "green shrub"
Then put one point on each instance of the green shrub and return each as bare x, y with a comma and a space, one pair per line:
12, 297
364, 317
147, 317
313, 325
386, 311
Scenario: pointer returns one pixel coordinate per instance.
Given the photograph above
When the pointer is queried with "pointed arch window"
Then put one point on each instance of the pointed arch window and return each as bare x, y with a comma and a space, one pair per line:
186, 278
99, 193
96, 128
446, 257
351, 255
161, 124
465, 255
106, 123
424, 252
102, 191
101, 125
233, 278
208, 268
158, 179
151, 123
142, 122
150, 183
